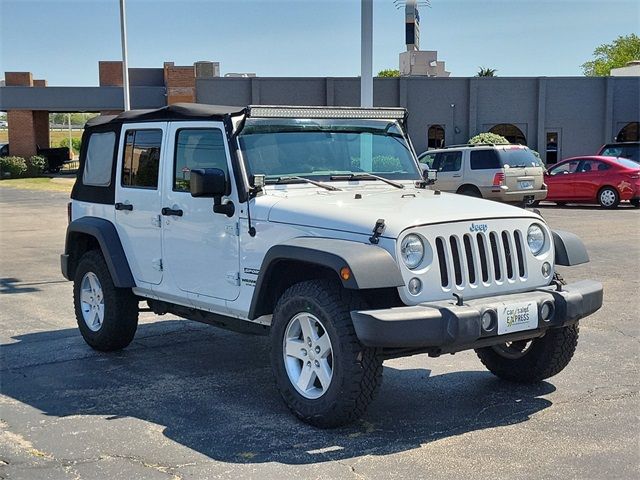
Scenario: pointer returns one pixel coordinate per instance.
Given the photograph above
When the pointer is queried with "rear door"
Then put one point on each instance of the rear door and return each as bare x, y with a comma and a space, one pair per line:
589, 177
449, 167
521, 169
138, 198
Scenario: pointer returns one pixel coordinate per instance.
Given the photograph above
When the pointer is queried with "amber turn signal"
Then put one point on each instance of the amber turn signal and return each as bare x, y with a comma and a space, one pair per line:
345, 273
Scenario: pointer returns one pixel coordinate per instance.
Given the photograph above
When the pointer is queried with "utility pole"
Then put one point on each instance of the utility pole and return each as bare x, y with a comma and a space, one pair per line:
366, 53
125, 63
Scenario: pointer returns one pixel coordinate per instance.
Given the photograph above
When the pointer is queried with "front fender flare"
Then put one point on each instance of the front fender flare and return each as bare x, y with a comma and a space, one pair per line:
371, 266
569, 249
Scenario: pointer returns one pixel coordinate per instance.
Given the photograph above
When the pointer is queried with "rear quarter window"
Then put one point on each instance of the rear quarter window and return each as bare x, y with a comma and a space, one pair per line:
99, 159
485, 160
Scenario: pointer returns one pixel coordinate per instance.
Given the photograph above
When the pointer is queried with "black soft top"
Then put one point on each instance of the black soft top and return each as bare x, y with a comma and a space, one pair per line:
177, 111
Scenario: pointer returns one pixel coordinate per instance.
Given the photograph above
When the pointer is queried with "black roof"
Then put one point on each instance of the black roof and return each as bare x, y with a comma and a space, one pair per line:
177, 111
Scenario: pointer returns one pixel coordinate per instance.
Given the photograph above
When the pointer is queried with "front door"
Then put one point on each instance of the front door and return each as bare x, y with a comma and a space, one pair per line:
200, 247
138, 198
560, 181
449, 167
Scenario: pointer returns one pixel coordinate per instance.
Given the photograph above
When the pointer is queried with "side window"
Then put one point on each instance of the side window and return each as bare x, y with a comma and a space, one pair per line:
564, 168
99, 159
485, 160
447, 161
197, 148
427, 159
141, 158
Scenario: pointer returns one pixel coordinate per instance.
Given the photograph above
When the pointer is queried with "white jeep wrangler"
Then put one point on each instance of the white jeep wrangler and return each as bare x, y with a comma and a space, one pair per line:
315, 226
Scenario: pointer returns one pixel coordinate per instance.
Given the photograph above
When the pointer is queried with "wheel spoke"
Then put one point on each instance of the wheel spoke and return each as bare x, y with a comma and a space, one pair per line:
294, 348
93, 283
325, 345
85, 296
324, 373
306, 379
96, 318
308, 330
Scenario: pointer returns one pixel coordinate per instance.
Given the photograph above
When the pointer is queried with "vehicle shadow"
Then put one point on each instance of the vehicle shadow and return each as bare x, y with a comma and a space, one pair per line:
212, 391
585, 206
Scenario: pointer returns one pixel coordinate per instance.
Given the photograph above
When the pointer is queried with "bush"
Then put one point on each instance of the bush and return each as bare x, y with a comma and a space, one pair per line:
380, 163
75, 142
488, 137
36, 166
12, 167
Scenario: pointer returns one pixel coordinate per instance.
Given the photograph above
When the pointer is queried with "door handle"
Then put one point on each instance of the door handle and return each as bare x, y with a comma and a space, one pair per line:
123, 206
171, 212
456, 176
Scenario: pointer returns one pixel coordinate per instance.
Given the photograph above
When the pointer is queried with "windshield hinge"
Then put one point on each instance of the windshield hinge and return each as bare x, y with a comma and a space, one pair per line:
233, 278
157, 264
377, 231
233, 229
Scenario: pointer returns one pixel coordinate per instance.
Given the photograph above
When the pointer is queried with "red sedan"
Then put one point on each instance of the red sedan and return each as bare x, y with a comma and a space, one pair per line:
594, 179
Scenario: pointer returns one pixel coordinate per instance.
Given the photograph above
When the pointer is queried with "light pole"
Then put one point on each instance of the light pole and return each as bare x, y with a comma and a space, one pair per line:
125, 63
366, 53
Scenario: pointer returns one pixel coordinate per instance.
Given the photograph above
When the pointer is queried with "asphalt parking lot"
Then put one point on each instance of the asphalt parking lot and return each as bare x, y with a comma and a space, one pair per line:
190, 401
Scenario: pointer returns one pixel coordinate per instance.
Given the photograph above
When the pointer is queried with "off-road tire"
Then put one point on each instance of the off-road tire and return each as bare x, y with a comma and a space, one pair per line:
120, 307
546, 357
616, 197
357, 370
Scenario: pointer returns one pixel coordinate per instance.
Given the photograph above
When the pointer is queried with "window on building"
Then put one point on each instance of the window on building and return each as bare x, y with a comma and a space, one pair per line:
629, 133
435, 137
99, 159
485, 160
141, 158
447, 161
197, 148
512, 133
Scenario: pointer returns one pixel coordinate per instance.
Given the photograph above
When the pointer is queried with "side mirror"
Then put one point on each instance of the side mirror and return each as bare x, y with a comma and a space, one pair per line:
208, 182
212, 182
430, 176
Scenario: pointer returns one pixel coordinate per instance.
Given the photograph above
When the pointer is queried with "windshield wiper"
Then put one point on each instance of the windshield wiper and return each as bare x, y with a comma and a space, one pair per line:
296, 179
365, 176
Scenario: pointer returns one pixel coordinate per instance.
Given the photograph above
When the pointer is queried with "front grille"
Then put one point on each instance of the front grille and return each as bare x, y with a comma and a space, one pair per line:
486, 258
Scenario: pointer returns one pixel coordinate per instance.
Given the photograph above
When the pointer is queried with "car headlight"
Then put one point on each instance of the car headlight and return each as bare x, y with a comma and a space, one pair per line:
535, 238
412, 250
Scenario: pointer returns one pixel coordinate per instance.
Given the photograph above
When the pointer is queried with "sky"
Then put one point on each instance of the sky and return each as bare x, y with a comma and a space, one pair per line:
63, 40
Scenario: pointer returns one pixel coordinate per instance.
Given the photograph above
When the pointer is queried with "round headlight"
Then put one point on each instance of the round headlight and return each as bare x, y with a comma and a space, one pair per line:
412, 250
535, 239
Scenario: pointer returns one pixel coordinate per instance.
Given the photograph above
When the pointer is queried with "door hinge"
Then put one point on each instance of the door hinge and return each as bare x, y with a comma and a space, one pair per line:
157, 264
233, 229
156, 221
233, 278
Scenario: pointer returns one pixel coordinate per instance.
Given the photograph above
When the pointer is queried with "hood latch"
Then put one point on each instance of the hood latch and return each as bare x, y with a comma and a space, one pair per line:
377, 231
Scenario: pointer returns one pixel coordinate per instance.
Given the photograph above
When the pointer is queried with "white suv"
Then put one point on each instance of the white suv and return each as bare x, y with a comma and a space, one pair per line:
314, 226
507, 173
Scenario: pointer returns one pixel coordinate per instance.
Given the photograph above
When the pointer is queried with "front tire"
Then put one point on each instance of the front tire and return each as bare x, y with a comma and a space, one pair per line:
107, 316
534, 360
326, 377
635, 202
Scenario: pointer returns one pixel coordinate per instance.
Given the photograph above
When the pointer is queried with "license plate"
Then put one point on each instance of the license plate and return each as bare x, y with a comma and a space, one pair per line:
516, 317
525, 184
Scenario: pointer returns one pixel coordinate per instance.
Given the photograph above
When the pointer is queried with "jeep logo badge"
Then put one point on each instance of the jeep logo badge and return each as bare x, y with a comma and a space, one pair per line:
478, 227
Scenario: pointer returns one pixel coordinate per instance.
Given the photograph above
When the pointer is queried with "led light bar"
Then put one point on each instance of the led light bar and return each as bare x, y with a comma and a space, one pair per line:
275, 111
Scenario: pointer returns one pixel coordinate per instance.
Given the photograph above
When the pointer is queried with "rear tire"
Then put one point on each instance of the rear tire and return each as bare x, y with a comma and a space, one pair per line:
470, 191
608, 197
107, 316
323, 389
543, 358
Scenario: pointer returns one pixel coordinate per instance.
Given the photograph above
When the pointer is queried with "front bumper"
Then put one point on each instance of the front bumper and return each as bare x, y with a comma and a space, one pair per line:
444, 327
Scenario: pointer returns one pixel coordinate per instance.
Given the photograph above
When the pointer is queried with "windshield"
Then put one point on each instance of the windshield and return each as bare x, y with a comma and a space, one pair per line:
631, 152
518, 157
321, 148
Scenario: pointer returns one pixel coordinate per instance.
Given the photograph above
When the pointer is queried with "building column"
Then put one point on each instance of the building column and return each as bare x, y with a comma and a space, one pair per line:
110, 75
541, 143
27, 129
180, 83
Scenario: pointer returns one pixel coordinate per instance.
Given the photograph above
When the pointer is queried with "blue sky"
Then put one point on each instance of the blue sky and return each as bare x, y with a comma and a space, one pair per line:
62, 40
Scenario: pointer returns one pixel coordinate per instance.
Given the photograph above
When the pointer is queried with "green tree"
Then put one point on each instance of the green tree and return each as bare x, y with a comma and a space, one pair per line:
613, 55
488, 138
389, 72
486, 72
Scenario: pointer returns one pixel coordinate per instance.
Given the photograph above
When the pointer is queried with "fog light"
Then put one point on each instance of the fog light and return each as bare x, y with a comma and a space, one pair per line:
546, 311
546, 269
415, 286
487, 320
